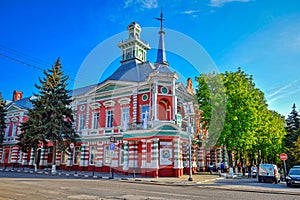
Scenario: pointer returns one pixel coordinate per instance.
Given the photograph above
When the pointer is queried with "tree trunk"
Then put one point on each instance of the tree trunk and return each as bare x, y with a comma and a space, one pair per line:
36, 160
53, 171
229, 152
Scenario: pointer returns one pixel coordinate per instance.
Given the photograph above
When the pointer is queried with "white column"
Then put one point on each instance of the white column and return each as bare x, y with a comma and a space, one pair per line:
177, 157
144, 153
155, 153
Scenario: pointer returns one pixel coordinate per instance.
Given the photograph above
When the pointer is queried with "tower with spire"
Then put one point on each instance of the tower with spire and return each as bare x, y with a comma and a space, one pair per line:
134, 48
161, 52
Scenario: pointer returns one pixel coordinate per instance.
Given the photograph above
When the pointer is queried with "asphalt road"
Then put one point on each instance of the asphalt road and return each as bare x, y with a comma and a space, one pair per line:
34, 186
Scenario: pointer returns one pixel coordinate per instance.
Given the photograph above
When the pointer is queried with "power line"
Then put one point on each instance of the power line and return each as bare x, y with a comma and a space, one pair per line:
24, 63
15, 52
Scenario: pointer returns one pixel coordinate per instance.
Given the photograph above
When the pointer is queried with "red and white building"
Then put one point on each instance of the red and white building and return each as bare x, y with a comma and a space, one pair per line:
128, 122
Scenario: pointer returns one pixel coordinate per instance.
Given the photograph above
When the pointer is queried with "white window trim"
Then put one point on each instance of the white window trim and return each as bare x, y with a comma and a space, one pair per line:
6, 131
122, 116
141, 113
81, 117
14, 130
106, 119
93, 120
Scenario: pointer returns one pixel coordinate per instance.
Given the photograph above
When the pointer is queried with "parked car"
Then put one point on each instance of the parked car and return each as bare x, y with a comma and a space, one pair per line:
293, 177
296, 166
268, 172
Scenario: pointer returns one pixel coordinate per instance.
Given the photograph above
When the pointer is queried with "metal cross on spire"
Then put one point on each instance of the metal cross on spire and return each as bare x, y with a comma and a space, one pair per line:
161, 19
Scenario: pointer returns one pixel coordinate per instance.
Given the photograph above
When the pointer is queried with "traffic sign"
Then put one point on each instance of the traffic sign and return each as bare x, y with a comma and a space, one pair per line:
112, 146
283, 156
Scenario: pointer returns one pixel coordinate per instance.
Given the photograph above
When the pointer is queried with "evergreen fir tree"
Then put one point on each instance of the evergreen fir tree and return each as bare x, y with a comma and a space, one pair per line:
292, 127
2, 119
293, 132
32, 130
52, 116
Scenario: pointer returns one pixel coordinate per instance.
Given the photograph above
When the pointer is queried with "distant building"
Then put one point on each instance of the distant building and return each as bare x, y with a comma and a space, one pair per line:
17, 111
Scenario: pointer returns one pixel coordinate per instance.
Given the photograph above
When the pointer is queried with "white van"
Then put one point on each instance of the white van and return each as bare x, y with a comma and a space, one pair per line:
268, 172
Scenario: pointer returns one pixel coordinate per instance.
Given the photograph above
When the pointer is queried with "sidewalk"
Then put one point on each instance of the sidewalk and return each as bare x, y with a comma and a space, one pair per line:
198, 178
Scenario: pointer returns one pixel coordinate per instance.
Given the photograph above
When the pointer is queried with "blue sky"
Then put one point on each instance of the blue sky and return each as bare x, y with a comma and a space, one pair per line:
260, 36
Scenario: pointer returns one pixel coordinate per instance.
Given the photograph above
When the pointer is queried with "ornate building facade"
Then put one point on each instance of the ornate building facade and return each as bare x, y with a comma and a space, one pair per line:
130, 122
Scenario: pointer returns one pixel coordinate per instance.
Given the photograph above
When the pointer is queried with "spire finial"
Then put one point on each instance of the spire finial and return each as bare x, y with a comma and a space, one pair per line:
161, 19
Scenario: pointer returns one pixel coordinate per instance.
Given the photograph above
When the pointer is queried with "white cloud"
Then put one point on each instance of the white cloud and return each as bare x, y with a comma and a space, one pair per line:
190, 12
284, 92
143, 4
220, 3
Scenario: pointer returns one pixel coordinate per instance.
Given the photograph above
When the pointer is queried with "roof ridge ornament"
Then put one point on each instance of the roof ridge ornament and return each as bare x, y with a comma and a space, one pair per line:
161, 19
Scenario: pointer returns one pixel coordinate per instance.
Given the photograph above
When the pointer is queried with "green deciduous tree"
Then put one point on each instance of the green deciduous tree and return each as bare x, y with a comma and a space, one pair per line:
2, 119
212, 102
250, 130
295, 152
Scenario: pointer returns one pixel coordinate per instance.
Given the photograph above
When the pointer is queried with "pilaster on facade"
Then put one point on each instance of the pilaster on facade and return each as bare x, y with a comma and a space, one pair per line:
144, 153
87, 115
69, 162
15, 154
31, 162
126, 153
134, 117
177, 154
201, 158
84, 155
155, 153
58, 157
184, 154
133, 155
44, 157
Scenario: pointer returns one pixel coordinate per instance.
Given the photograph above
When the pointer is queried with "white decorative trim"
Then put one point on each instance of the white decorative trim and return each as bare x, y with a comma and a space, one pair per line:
95, 105
109, 103
7, 121
161, 90
82, 107
145, 95
123, 101
14, 119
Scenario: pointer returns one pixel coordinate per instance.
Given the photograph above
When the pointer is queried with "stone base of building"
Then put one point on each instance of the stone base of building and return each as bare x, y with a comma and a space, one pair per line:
170, 172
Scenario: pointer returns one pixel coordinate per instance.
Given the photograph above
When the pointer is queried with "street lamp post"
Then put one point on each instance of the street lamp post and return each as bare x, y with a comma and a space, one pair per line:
190, 150
189, 110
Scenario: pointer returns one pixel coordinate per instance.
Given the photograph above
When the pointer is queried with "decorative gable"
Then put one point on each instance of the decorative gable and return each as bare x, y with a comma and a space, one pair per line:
12, 108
